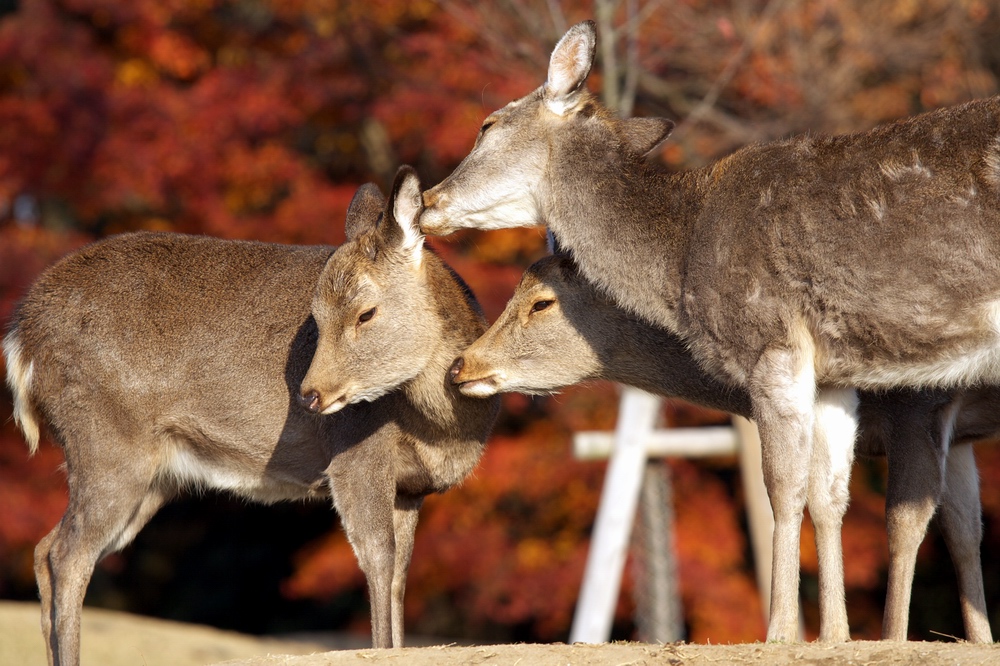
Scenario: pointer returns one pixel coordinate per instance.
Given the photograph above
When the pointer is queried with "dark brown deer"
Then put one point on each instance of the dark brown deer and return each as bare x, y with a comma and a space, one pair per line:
163, 362
798, 270
558, 329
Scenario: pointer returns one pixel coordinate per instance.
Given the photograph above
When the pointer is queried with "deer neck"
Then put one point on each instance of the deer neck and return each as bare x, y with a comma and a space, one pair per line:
626, 223
437, 402
446, 432
655, 360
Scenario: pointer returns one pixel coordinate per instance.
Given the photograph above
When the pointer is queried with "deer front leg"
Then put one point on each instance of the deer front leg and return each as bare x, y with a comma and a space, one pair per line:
363, 494
782, 388
829, 478
405, 517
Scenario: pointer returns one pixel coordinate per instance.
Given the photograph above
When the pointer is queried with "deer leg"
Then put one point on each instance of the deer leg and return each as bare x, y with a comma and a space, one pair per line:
363, 491
961, 523
782, 388
829, 477
43, 577
405, 517
916, 461
108, 505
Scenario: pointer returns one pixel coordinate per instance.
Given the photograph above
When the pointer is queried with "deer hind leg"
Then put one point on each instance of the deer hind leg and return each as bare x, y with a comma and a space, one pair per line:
405, 517
829, 478
110, 501
43, 577
916, 454
961, 523
783, 390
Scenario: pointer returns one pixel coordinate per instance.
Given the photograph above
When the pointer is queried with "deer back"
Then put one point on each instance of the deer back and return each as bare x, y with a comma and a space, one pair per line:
177, 346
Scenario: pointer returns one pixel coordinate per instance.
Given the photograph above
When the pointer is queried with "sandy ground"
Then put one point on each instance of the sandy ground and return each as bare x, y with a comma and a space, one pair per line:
119, 639
858, 653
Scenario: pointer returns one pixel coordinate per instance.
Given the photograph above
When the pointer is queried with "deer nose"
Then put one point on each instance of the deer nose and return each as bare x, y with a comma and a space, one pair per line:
456, 368
431, 197
310, 401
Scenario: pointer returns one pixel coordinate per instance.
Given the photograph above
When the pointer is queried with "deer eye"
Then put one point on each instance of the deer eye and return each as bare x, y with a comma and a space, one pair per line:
538, 306
366, 315
488, 124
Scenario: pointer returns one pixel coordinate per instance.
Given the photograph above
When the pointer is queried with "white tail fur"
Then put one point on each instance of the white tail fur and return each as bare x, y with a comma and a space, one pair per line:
19, 380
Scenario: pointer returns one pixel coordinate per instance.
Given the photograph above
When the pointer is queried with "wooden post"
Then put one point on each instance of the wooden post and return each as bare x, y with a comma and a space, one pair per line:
615, 514
760, 518
634, 441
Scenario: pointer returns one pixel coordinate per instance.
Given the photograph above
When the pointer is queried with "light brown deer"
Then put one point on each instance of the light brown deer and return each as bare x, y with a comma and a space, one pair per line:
558, 329
799, 270
163, 362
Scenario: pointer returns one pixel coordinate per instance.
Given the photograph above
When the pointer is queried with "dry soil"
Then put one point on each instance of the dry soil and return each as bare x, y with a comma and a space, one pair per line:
119, 639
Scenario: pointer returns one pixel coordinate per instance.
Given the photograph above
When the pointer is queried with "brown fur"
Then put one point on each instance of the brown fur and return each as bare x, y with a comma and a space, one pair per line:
799, 270
558, 329
162, 362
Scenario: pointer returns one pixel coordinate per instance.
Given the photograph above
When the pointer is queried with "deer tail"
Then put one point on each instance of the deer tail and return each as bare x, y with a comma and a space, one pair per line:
20, 372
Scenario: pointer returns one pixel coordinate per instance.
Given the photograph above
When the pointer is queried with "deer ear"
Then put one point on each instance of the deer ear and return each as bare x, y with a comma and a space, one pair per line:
645, 134
569, 67
364, 211
405, 204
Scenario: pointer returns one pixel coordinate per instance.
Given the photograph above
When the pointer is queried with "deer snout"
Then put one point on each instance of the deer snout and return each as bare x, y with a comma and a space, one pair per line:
431, 197
310, 401
434, 219
472, 379
456, 370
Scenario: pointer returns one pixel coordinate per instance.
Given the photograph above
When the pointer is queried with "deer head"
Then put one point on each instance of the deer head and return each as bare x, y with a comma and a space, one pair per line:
543, 340
514, 166
374, 316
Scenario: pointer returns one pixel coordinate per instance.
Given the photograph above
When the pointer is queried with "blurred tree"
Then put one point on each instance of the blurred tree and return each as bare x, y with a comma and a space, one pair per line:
259, 118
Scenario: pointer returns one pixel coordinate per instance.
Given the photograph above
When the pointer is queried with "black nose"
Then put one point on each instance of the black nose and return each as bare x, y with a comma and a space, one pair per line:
310, 401
456, 368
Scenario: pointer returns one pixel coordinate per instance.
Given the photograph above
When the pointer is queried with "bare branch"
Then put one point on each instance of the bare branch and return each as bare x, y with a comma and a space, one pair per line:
631, 85
770, 10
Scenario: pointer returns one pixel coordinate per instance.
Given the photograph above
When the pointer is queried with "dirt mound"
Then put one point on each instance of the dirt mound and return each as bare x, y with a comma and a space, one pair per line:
120, 639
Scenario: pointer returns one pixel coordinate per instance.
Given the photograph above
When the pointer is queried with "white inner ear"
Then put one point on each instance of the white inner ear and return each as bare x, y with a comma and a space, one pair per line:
569, 66
406, 210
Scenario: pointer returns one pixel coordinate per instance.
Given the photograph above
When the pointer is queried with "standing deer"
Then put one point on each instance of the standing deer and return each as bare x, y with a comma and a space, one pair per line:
559, 329
798, 270
333, 365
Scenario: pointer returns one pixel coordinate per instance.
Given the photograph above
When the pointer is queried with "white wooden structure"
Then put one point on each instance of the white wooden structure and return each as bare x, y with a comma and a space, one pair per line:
635, 439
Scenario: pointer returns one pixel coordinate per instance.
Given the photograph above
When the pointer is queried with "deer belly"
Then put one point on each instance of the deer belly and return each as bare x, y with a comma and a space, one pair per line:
958, 352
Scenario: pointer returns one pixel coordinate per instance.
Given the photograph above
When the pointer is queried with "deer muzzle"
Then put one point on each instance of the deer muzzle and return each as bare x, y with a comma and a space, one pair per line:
478, 387
310, 401
456, 369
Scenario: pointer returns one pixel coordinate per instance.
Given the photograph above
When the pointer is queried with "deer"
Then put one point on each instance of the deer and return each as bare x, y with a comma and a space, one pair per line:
801, 269
334, 366
559, 329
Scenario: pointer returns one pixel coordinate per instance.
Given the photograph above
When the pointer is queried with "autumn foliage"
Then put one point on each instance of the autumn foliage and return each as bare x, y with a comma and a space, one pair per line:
259, 119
